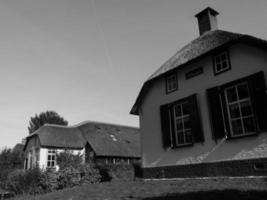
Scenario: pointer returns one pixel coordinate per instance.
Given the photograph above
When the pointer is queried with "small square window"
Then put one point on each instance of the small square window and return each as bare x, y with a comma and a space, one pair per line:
221, 62
171, 83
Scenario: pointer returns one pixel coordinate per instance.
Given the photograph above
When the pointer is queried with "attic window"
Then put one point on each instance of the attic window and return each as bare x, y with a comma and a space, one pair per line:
221, 62
171, 83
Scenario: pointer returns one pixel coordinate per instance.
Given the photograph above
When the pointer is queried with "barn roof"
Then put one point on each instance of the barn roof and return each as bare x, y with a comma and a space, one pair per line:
204, 44
105, 139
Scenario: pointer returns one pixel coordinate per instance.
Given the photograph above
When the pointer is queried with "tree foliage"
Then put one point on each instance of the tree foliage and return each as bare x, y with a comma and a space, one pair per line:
48, 117
9, 161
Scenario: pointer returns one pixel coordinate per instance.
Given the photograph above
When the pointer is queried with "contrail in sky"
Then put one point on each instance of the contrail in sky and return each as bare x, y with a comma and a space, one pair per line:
102, 35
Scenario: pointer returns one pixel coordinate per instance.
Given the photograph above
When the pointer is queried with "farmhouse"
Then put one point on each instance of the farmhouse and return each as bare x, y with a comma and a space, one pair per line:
204, 111
100, 142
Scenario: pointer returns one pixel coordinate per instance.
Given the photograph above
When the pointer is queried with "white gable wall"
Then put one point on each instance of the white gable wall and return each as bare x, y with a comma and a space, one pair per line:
245, 60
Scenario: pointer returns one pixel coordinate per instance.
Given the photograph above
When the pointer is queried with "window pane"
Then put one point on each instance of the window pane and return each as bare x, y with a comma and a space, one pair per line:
224, 65
179, 124
53, 157
249, 125
234, 110
178, 111
188, 137
246, 108
180, 137
243, 91
49, 157
48, 164
217, 59
237, 127
187, 124
231, 95
218, 67
186, 108
223, 56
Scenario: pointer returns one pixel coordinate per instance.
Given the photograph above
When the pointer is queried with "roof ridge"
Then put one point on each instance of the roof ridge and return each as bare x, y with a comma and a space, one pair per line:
104, 123
152, 76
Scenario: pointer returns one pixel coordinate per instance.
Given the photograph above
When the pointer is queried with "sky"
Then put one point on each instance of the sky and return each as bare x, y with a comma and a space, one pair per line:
88, 59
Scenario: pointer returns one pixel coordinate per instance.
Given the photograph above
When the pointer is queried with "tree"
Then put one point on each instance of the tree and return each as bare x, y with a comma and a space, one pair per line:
10, 160
48, 117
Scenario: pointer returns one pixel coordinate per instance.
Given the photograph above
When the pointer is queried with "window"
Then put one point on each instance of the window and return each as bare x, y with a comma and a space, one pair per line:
240, 111
221, 62
171, 83
238, 108
51, 158
180, 123
183, 134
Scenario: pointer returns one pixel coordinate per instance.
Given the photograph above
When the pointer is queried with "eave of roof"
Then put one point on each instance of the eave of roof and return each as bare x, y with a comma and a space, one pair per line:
203, 45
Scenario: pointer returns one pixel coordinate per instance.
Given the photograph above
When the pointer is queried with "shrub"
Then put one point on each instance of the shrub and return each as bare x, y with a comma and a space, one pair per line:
20, 181
118, 171
68, 177
89, 174
9, 161
67, 159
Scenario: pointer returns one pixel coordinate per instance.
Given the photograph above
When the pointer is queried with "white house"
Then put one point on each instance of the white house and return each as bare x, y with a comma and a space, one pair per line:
204, 111
100, 142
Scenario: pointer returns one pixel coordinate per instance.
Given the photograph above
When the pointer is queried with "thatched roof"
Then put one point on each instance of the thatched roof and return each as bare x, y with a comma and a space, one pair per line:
203, 45
112, 140
58, 136
105, 139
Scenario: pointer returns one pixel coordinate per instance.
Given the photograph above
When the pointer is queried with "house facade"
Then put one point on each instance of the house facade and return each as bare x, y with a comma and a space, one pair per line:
101, 143
204, 111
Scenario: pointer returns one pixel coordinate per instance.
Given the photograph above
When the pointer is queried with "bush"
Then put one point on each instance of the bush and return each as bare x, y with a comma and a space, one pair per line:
68, 177
89, 174
9, 161
117, 172
67, 159
19, 182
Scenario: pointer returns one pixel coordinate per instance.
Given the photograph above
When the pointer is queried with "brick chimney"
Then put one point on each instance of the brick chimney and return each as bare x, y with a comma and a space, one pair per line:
207, 20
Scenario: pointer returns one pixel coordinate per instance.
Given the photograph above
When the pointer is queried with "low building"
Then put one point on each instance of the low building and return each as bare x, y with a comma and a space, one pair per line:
100, 142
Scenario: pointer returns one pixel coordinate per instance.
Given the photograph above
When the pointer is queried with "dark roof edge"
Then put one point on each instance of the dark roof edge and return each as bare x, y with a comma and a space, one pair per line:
63, 148
250, 40
212, 11
108, 156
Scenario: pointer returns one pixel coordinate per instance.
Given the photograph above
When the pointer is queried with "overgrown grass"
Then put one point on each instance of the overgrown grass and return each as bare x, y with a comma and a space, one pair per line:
219, 189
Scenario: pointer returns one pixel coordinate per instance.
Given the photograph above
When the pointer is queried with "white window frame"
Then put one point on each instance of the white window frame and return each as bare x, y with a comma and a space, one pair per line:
182, 131
238, 101
171, 83
220, 61
52, 153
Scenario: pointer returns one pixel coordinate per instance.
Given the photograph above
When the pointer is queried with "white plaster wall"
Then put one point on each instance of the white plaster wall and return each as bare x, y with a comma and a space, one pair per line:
245, 60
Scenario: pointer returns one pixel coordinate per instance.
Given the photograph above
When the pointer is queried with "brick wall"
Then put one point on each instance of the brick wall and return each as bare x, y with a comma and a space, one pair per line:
248, 167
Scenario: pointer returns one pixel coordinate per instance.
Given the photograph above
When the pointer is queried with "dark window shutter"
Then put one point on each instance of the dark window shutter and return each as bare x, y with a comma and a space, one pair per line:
195, 119
259, 100
219, 120
165, 125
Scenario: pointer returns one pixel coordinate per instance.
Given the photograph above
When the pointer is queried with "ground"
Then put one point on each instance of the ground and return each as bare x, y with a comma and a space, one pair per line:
219, 188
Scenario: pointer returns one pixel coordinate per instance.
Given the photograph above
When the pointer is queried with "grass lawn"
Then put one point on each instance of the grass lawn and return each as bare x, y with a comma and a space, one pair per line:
220, 188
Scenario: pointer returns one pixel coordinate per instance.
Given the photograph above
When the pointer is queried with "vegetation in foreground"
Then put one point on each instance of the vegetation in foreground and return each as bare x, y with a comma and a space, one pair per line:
219, 189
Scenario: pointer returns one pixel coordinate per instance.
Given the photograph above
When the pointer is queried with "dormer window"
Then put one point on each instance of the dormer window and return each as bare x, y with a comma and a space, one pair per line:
171, 83
221, 62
